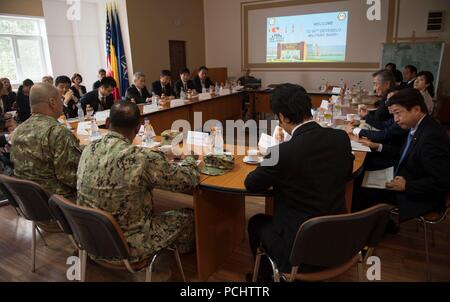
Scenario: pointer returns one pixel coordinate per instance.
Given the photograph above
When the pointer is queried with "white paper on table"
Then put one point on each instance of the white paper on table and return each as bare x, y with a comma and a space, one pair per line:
225, 91
197, 138
151, 146
102, 116
360, 147
176, 103
239, 87
336, 90
266, 142
335, 98
325, 104
83, 128
378, 179
150, 109
12, 113
204, 96
287, 136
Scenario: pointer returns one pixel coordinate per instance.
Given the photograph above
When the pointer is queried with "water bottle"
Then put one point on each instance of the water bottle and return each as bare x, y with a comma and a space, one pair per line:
217, 88
342, 84
323, 86
95, 132
218, 141
80, 113
147, 138
182, 95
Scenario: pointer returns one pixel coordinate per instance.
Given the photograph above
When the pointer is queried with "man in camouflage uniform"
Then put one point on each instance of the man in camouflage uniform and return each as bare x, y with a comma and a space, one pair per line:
43, 150
117, 177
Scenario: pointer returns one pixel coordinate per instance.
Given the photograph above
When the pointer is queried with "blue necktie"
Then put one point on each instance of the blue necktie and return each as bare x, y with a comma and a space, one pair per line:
405, 151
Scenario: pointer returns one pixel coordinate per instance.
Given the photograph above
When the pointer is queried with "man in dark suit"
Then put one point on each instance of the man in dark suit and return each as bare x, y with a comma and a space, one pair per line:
383, 83
185, 83
308, 180
101, 75
100, 99
138, 91
70, 109
410, 76
201, 81
163, 85
246, 78
397, 75
422, 176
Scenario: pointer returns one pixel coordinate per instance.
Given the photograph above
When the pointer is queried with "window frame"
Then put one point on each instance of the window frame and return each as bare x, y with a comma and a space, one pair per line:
40, 37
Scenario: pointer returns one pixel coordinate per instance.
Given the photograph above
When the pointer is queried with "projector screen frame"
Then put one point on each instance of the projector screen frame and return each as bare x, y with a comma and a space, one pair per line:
246, 7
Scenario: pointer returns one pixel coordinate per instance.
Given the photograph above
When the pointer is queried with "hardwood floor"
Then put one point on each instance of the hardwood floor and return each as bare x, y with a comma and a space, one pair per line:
402, 255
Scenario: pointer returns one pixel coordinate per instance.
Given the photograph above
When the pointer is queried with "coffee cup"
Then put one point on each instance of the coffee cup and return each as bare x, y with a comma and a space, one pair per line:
253, 155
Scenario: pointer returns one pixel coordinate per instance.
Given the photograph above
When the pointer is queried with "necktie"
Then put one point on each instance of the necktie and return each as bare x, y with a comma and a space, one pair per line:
405, 151
102, 104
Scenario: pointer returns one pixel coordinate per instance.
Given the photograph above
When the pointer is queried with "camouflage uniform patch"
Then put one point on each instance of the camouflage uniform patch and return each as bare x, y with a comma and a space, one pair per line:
216, 165
117, 177
46, 152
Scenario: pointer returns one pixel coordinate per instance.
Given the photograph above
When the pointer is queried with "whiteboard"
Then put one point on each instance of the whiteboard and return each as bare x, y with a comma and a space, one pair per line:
425, 56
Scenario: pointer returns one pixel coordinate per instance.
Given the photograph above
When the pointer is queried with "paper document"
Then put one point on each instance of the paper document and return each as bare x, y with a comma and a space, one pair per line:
360, 147
378, 179
84, 128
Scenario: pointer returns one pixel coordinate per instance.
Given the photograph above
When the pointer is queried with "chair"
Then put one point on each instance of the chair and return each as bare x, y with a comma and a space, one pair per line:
30, 201
97, 233
335, 242
431, 219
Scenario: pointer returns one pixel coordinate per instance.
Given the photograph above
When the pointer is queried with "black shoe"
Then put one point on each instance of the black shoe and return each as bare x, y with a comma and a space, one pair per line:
392, 227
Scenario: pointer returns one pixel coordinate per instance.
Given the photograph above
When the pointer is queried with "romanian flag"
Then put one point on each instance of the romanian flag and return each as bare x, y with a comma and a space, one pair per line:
115, 54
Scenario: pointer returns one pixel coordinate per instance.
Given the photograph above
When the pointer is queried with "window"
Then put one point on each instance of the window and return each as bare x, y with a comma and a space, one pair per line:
24, 50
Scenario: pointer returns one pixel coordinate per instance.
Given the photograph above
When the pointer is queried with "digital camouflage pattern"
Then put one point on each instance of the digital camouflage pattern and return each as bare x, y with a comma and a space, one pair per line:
46, 152
168, 136
216, 165
117, 177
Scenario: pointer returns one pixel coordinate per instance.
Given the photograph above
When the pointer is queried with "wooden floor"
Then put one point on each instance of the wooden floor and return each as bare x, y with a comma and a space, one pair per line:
402, 255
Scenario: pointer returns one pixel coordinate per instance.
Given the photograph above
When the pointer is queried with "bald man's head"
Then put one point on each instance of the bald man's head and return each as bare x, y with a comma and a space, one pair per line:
46, 99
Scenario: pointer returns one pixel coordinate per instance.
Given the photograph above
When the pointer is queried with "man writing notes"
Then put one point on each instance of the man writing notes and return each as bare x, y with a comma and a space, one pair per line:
118, 177
308, 180
163, 85
138, 91
102, 98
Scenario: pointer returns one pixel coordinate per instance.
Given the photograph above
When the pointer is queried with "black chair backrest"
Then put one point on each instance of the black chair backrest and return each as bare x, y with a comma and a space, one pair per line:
331, 241
95, 231
28, 196
59, 215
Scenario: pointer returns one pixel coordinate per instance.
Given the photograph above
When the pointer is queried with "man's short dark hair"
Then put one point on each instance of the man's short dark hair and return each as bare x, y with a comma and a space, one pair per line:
408, 98
185, 70
63, 80
108, 82
165, 73
393, 65
102, 71
411, 68
203, 68
292, 101
386, 76
125, 115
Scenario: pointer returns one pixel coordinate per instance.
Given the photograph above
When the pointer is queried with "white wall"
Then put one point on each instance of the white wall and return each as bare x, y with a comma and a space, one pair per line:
223, 42
79, 46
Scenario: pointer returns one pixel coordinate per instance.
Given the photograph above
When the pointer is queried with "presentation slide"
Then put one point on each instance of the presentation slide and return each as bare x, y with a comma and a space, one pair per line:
307, 38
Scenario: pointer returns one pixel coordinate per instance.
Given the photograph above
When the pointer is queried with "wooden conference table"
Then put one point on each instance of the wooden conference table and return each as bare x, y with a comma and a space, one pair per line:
219, 201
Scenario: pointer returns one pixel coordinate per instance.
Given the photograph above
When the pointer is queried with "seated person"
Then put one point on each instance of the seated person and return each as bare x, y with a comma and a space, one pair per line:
246, 77
422, 175
102, 98
78, 90
397, 75
101, 75
62, 83
424, 83
138, 91
410, 75
308, 179
8, 96
201, 80
122, 182
163, 85
48, 80
384, 83
23, 100
185, 83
